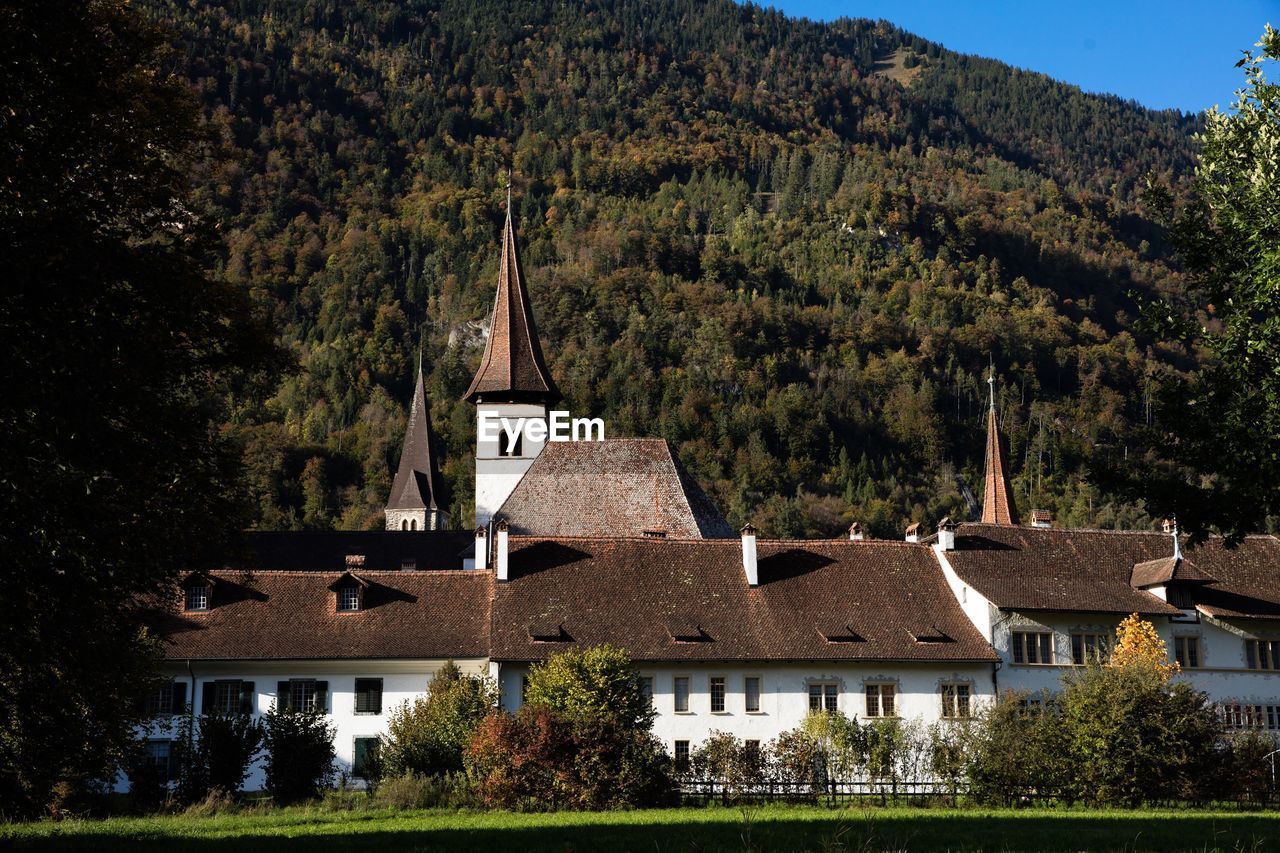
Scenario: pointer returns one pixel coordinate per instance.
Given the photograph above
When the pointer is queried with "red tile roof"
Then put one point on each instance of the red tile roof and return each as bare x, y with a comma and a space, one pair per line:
512, 368
616, 487
1025, 568
280, 615
673, 600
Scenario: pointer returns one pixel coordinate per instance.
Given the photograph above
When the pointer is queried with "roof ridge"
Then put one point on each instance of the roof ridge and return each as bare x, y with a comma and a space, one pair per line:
1041, 530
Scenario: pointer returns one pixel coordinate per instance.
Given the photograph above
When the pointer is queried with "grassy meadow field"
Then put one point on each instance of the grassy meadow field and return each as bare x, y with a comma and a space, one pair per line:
761, 828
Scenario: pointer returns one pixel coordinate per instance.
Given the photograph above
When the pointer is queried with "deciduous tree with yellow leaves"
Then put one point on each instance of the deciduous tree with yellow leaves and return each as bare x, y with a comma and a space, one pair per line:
1138, 645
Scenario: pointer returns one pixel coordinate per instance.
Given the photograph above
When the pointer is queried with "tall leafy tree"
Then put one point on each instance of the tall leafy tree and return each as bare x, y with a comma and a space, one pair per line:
1215, 455
118, 356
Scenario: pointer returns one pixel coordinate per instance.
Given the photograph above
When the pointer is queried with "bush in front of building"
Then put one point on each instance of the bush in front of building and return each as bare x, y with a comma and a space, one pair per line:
415, 791
598, 682
299, 754
428, 735
214, 752
542, 760
1016, 749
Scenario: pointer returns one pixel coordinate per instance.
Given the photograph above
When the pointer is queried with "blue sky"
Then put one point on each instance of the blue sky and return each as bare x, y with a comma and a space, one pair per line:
1171, 54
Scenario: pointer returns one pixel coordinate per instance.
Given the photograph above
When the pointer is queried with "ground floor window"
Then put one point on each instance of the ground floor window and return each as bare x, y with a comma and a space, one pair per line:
880, 700
823, 696
955, 701
682, 754
365, 757
160, 756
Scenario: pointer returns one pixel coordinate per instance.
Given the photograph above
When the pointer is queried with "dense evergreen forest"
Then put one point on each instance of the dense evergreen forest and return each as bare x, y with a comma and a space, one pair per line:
790, 248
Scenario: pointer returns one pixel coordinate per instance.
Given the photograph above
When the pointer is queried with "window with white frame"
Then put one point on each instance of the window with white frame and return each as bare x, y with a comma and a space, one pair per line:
1237, 716
680, 690
880, 699
751, 694
717, 694
227, 697
1186, 651
1087, 646
348, 598
956, 703
823, 696
1032, 647
198, 596
682, 754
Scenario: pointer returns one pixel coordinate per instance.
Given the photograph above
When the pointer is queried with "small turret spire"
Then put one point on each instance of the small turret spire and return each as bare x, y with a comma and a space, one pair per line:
997, 496
417, 500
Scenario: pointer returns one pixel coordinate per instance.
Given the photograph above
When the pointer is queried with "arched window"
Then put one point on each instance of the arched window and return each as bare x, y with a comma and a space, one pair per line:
413, 525
513, 449
404, 524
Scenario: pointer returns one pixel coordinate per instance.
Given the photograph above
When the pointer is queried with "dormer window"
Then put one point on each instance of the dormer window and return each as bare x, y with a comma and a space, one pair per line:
349, 599
198, 596
348, 590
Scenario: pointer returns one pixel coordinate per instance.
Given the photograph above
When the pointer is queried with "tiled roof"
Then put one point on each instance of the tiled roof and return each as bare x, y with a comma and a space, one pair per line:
1166, 570
512, 368
616, 487
1026, 568
327, 551
275, 615
418, 484
672, 600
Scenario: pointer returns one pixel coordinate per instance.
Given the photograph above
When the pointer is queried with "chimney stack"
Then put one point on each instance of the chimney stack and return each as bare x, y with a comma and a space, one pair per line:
1041, 518
482, 549
913, 532
749, 555
947, 534
855, 532
1170, 526
501, 557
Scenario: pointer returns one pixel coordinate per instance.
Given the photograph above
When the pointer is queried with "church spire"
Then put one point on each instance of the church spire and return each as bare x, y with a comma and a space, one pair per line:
512, 369
997, 496
418, 501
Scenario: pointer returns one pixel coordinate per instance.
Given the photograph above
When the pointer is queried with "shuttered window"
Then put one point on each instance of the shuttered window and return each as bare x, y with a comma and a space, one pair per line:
303, 694
368, 695
365, 757
227, 696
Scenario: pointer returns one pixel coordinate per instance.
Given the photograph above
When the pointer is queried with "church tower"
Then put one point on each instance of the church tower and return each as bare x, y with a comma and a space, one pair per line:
418, 500
997, 495
512, 383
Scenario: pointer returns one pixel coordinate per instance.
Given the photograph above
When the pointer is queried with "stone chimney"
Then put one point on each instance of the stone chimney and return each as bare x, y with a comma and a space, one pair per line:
1170, 526
947, 534
749, 565
500, 559
855, 532
1041, 518
913, 532
482, 549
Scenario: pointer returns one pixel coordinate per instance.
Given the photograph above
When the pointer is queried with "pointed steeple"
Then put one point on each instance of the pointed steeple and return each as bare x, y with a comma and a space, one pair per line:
512, 369
417, 492
997, 496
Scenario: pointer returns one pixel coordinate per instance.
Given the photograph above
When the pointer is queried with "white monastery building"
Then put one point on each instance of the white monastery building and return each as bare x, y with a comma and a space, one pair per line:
589, 542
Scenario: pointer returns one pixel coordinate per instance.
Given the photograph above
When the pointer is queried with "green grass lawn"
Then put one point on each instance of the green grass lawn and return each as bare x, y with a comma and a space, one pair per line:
759, 828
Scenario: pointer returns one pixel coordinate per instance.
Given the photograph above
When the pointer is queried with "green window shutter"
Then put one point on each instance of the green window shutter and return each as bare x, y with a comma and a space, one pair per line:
322, 697
283, 699
247, 695
376, 696
179, 693
206, 702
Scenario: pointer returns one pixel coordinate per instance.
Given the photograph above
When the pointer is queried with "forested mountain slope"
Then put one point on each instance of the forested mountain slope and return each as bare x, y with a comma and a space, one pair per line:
740, 235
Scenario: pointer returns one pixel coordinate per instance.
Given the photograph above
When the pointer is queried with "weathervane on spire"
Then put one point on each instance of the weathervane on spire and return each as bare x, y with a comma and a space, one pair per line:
991, 385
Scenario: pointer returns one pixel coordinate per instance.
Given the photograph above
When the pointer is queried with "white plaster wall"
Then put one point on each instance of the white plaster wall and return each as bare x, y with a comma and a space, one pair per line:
1222, 674
784, 698
974, 604
401, 681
